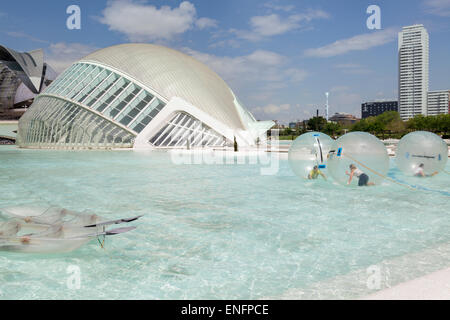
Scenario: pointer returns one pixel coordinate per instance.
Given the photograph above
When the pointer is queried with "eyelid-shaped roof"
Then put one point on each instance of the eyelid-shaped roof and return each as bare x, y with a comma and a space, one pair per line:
31, 64
174, 74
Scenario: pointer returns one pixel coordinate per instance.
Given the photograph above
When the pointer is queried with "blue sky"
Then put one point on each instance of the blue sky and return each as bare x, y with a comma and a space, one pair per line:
279, 56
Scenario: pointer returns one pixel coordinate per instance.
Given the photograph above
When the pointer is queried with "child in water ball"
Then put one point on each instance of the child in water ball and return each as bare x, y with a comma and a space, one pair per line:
314, 173
419, 172
363, 179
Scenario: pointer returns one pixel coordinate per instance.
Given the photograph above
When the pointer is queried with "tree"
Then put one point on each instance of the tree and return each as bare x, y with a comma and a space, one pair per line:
443, 123
390, 122
316, 123
417, 123
332, 129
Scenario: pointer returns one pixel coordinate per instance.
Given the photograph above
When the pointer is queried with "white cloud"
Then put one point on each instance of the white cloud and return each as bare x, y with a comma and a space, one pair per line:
61, 55
352, 68
19, 34
225, 43
266, 58
296, 75
339, 89
356, 43
438, 7
257, 77
274, 24
140, 21
259, 67
272, 109
276, 7
204, 23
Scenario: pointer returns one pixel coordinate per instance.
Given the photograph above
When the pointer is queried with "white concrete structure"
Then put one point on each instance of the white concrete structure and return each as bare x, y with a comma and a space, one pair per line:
413, 55
438, 102
434, 286
138, 96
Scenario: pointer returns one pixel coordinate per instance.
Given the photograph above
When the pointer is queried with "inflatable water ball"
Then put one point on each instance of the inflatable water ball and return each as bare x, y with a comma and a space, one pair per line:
419, 151
365, 152
309, 150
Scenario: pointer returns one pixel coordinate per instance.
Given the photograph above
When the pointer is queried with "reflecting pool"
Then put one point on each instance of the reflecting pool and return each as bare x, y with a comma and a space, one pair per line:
222, 231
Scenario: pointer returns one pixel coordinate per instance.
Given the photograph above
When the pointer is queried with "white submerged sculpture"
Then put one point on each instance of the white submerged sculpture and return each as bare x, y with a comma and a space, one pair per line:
52, 230
421, 153
309, 150
367, 155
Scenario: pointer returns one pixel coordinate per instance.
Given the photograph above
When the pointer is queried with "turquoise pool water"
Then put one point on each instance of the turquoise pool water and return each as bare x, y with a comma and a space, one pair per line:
7, 129
219, 231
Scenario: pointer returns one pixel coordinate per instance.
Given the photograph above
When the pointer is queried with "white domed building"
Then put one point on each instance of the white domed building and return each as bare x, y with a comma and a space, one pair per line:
138, 96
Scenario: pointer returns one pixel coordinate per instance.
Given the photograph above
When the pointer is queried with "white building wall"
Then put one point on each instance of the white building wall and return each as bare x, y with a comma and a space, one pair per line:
438, 102
179, 105
413, 52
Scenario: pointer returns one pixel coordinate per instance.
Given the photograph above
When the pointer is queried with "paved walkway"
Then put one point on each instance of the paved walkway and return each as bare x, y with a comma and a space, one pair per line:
434, 286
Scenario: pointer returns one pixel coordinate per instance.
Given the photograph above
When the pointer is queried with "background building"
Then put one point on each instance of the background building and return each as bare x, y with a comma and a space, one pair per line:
295, 125
344, 118
22, 76
138, 96
413, 55
438, 102
373, 109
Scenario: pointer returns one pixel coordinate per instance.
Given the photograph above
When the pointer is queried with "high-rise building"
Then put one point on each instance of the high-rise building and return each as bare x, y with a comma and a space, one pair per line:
413, 56
373, 109
438, 102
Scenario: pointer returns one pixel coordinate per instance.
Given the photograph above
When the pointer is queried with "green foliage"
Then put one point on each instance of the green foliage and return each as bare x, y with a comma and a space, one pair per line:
386, 125
332, 129
436, 124
316, 123
390, 123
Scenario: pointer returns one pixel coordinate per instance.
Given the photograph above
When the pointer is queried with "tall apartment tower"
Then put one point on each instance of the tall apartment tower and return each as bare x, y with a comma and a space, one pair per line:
413, 58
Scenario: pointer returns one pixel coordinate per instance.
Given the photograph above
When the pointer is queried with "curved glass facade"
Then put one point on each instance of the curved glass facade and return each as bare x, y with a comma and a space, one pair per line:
55, 123
108, 93
109, 108
183, 130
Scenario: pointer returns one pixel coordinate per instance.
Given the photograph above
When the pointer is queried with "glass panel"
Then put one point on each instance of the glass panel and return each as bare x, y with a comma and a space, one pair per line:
112, 94
82, 82
70, 81
101, 91
61, 80
77, 82
134, 108
147, 115
183, 128
92, 86
54, 123
124, 99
